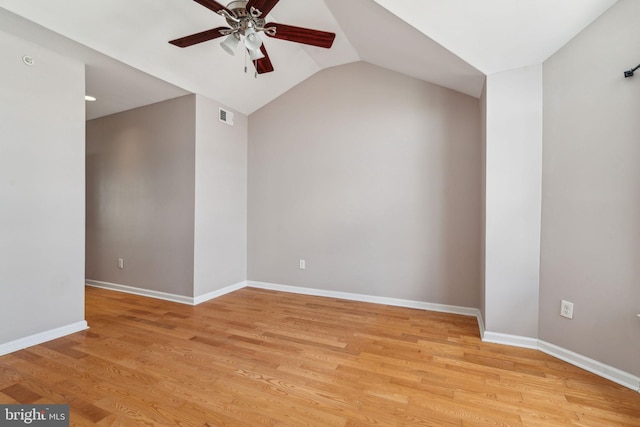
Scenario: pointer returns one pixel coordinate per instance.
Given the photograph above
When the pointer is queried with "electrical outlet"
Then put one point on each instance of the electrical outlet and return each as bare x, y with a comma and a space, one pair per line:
566, 309
120, 263
302, 264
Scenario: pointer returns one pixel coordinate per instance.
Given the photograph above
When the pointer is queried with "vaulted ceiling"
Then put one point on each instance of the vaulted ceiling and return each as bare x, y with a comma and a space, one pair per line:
452, 43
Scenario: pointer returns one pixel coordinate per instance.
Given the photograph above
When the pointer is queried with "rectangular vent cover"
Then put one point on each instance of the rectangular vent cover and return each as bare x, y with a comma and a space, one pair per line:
225, 116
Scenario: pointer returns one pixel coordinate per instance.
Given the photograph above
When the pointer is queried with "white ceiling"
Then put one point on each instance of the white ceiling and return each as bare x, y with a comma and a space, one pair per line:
117, 86
499, 35
452, 43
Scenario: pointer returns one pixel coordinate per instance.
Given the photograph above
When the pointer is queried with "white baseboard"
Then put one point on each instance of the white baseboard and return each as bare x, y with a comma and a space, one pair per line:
613, 374
465, 311
42, 337
481, 325
215, 294
164, 295
140, 291
512, 340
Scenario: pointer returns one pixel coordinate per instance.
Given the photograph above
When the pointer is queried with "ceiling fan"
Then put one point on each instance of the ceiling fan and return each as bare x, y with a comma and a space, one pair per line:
246, 21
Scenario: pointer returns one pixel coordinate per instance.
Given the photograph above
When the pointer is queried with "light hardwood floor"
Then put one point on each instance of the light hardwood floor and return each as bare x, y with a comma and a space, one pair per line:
265, 358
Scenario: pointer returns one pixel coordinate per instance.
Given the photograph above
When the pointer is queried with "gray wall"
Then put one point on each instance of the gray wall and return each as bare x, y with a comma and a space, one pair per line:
483, 198
373, 178
220, 254
140, 197
590, 251
41, 190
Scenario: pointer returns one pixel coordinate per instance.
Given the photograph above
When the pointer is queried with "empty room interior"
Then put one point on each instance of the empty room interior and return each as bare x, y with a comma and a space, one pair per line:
323, 213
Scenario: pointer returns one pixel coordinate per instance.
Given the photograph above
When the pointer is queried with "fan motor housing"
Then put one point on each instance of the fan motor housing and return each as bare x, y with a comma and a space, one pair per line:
239, 9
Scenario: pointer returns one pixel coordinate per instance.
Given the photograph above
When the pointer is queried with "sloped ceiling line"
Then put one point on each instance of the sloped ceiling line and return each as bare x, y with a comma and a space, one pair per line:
452, 43
499, 35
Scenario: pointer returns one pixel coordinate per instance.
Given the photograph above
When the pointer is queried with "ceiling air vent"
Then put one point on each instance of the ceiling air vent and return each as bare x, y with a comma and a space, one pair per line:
225, 116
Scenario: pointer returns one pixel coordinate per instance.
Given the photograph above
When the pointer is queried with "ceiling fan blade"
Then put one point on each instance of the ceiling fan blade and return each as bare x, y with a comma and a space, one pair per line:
213, 5
199, 37
263, 65
263, 6
302, 35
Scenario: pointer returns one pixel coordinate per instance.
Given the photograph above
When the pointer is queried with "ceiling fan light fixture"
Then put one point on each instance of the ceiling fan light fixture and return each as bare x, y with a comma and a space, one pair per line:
255, 54
251, 39
246, 19
230, 44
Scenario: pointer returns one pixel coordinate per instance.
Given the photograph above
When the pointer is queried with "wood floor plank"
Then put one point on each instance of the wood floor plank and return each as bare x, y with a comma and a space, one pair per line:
21, 394
264, 358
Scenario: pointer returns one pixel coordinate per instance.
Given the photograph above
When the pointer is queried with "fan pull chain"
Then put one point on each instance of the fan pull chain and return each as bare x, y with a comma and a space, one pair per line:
255, 64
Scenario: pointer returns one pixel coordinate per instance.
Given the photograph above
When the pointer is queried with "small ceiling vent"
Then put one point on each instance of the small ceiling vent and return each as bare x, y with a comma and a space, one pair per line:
225, 116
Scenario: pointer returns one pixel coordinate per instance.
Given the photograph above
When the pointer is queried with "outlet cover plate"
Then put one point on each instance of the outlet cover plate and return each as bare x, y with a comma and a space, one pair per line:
566, 309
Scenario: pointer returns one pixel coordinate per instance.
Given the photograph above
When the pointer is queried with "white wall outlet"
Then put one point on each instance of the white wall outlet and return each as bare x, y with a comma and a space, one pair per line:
566, 309
120, 263
302, 264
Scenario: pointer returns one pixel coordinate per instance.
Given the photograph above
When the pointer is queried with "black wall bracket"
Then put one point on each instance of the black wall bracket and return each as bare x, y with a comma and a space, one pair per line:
629, 73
